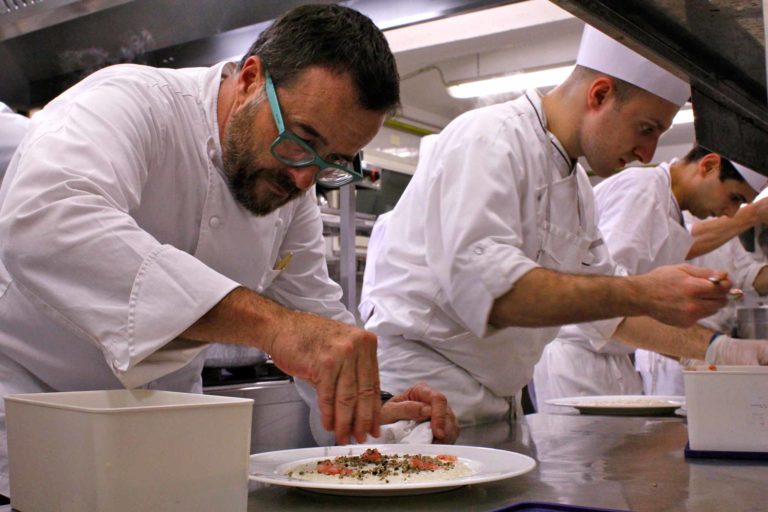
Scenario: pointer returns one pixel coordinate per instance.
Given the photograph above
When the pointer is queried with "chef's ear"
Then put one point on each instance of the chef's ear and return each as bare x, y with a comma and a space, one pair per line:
709, 163
599, 91
250, 79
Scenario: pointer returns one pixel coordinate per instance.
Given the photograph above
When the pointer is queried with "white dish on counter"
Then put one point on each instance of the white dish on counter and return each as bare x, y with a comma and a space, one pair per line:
623, 405
486, 465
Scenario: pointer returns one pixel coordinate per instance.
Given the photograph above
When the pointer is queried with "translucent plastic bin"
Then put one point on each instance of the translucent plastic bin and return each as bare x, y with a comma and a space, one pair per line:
727, 408
128, 450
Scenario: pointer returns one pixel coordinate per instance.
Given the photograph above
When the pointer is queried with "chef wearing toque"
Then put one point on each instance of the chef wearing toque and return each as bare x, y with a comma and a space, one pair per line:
485, 254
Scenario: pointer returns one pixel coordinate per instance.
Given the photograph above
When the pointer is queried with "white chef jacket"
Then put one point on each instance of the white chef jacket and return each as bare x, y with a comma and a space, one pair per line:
13, 126
496, 198
662, 375
118, 231
644, 229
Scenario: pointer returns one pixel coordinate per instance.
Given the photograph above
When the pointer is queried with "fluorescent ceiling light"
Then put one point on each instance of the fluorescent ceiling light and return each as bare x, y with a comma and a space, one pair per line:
471, 25
684, 116
518, 82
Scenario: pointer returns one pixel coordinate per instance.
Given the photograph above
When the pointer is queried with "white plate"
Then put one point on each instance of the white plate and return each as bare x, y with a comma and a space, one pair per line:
486, 465
623, 405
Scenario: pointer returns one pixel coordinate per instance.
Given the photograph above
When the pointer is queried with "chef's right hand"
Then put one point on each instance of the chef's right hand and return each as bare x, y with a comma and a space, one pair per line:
729, 351
680, 295
339, 360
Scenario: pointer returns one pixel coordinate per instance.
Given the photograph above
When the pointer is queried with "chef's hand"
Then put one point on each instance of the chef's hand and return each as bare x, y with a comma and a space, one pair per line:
339, 360
729, 351
421, 403
680, 295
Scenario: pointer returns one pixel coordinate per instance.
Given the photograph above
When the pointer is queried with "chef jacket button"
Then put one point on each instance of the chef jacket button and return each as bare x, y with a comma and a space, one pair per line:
479, 250
259, 289
211, 153
214, 222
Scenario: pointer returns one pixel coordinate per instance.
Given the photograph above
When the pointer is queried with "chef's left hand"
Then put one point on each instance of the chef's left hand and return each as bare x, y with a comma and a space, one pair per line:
421, 403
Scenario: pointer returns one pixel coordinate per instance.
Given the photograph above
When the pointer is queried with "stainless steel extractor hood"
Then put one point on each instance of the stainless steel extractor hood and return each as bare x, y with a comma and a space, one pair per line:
46, 45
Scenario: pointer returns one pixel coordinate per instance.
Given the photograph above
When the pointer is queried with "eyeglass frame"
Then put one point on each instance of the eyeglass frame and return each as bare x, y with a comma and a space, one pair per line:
283, 134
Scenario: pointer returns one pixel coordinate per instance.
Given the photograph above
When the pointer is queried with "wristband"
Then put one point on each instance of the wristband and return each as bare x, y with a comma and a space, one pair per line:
714, 337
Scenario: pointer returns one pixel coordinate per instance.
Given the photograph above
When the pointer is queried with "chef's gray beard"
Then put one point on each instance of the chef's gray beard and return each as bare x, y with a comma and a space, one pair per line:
244, 175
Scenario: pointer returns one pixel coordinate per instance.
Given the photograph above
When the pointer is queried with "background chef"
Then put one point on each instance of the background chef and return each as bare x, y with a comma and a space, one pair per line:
153, 210
477, 266
640, 214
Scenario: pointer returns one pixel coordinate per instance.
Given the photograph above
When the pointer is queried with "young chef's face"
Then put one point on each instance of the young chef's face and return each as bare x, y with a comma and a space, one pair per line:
618, 131
713, 197
320, 107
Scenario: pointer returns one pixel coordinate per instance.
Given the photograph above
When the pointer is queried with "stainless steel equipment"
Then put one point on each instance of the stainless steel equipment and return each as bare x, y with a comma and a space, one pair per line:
752, 322
280, 416
227, 355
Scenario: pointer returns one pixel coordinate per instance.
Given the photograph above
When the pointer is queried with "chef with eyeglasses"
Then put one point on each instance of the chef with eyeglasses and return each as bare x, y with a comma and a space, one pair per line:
151, 211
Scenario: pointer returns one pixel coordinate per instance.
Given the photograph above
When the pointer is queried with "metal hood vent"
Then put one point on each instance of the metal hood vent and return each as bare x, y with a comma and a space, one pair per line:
48, 45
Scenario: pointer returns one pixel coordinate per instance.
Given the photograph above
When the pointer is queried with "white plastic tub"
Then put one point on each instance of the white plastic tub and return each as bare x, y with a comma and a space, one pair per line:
128, 451
727, 408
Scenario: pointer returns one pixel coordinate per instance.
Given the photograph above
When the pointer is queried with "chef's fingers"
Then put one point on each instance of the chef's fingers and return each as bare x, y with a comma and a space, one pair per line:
451, 430
722, 284
438, 405
326, 372
346, 398
368, 403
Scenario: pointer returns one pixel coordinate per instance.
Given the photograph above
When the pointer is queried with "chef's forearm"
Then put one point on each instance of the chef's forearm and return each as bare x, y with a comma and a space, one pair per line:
242, 317
647, 333
760, 284
710, 234
544, 297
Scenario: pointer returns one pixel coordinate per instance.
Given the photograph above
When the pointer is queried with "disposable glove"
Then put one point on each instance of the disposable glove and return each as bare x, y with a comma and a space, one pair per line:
725, 350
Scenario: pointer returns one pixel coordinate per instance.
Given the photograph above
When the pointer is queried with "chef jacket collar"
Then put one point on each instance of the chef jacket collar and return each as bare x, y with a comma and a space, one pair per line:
565, 164
209, 87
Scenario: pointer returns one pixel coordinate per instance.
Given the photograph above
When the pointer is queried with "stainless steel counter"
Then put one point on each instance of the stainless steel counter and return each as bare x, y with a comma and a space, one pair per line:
611, 462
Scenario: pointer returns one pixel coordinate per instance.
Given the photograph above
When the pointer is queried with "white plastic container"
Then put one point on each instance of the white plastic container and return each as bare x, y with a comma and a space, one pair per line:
128, 451
727, 408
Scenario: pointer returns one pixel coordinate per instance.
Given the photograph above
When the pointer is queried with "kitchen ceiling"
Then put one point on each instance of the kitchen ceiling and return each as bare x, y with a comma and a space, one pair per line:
41, 52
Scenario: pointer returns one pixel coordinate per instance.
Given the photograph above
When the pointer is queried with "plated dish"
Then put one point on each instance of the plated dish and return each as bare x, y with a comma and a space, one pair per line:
623, 405
477, 465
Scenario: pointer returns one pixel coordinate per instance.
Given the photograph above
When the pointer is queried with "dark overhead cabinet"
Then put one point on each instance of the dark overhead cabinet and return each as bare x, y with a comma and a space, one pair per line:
719, 45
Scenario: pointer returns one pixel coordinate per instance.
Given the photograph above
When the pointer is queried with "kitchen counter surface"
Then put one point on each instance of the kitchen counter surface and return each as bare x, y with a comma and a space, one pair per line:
621, 463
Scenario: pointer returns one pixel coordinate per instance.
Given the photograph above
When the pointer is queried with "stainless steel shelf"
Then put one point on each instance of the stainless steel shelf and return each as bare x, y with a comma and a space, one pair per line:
331, 218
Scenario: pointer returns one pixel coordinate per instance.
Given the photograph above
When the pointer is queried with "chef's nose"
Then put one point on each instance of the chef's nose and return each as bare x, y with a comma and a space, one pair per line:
731, 209
304, 177
645, 152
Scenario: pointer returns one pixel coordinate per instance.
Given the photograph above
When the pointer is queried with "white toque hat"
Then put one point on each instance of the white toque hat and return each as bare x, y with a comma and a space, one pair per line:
753, 178
606, 55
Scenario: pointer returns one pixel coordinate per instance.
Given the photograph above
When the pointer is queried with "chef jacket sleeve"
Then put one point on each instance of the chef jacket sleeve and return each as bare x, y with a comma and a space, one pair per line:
633, 217
745, 267
304, 284
474, 220
73, 247
599, 332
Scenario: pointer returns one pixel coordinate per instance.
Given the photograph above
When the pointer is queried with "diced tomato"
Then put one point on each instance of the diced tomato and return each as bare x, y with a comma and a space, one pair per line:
326, 467
447, 458
418, 462
371, 455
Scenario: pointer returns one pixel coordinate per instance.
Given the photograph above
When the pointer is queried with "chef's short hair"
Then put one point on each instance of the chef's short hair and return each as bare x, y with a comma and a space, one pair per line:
727, 170
334, 37
622, 89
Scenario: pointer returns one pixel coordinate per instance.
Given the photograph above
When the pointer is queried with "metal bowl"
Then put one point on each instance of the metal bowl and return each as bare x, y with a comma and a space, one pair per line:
752, 322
